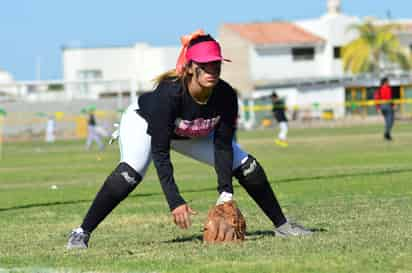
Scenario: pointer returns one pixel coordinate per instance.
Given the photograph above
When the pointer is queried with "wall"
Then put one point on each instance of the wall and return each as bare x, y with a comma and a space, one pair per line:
139, 63
276, 63
237, 73
115, 63
326, 97
151, 62
27, 121
334, 29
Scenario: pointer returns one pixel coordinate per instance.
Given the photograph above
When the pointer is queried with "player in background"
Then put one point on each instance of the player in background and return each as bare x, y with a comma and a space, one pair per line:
193, 112
92, 133
384, 104
278, 109
50, 135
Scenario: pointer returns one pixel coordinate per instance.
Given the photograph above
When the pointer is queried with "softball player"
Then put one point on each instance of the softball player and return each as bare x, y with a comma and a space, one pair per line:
92, 133
278, 110
193, 112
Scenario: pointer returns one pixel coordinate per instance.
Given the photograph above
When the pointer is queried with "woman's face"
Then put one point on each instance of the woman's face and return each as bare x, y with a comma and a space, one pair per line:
206, 74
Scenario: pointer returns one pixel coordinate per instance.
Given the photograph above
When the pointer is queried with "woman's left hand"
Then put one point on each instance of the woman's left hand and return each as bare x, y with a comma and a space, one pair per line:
181, 216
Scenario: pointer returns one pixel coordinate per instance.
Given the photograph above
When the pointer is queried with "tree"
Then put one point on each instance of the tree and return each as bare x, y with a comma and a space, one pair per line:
376, 49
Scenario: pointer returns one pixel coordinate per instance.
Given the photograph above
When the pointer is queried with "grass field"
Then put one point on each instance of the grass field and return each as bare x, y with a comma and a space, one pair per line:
346, 183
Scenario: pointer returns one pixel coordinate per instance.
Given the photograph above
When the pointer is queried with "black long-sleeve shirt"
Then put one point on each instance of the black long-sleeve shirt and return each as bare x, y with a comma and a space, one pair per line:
278, 109
92, 120
171, 113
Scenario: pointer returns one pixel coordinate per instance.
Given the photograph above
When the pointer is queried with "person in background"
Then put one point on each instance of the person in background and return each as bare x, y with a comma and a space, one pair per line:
50, 130
278, 109
193, 112
384, 104
92, 134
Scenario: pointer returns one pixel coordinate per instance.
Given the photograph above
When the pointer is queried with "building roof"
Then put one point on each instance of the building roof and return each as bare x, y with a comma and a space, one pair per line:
406, 27
274, 33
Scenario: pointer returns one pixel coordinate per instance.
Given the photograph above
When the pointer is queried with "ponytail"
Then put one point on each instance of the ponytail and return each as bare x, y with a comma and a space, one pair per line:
173, 75
168, 75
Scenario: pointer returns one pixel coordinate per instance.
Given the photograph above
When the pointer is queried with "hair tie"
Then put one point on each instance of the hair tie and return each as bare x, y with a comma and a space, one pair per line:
185, 40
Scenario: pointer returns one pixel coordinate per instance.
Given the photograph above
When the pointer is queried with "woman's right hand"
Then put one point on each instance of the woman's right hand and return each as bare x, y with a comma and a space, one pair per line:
181, 216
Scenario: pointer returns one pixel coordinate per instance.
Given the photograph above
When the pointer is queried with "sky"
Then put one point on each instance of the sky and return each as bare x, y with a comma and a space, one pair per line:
33, 32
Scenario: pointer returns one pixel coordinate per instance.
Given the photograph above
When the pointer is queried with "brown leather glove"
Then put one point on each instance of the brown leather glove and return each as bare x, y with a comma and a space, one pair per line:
224, 223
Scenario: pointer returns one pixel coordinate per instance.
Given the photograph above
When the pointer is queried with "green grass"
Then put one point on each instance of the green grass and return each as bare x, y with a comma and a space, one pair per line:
346, 183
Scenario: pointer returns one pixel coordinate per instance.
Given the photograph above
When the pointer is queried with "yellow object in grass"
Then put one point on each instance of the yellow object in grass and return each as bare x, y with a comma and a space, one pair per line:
281, 143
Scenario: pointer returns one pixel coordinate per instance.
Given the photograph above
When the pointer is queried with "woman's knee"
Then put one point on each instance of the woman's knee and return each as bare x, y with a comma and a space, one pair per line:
122, 181
250, 172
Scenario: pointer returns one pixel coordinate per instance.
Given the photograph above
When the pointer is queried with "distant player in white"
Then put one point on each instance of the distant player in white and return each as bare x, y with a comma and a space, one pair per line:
50, 130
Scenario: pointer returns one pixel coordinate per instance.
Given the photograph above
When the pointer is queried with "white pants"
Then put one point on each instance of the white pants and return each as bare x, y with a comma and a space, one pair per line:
135, 144
50, 137
92, 135
283, 133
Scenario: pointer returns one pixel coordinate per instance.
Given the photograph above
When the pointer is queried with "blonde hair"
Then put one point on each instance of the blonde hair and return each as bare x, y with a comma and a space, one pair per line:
171, 74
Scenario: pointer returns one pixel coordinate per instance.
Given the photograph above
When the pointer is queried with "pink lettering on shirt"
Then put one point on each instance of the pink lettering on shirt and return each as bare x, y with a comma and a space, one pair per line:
195, 128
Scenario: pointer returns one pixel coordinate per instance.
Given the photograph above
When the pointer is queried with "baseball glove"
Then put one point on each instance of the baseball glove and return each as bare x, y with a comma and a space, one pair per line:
224, 223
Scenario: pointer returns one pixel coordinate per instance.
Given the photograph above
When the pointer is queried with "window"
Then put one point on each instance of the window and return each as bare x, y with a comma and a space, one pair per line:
337, 52
89, 74
303, 53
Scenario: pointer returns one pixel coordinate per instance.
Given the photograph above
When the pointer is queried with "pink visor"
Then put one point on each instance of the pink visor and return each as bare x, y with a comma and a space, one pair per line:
205, 52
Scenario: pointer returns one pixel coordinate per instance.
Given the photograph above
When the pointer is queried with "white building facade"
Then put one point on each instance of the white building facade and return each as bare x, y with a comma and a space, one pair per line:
115, 69
301, 60
7, 85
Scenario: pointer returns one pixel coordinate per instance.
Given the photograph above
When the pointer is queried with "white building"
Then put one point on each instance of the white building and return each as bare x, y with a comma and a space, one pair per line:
300, 60
95, 72
7, 84
5, 77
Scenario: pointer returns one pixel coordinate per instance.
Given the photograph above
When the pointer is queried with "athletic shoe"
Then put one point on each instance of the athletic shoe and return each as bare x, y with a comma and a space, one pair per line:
78, 239
281, 143
291, 229
387, 137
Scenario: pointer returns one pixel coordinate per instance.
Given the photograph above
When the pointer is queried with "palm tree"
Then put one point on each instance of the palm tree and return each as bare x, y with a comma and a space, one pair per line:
376, 47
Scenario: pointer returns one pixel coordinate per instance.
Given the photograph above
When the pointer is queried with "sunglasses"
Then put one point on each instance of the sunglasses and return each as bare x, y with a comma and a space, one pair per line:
211, 67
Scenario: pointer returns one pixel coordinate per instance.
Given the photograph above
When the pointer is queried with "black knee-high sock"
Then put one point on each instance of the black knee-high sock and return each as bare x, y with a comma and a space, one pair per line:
122, 181
253, 178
